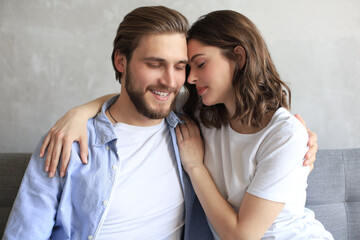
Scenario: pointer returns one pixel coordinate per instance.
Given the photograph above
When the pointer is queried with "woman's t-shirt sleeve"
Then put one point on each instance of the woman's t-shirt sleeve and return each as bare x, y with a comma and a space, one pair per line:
280, 175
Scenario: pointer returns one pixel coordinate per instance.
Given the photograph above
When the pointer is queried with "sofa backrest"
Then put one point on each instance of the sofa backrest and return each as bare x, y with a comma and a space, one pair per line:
333, 192
12, 169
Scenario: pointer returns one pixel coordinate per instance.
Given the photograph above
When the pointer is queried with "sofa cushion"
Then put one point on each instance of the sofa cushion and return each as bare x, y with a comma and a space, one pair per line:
333, 192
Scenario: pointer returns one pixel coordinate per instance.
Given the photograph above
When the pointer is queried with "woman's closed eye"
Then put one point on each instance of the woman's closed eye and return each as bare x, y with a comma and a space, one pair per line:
201, 65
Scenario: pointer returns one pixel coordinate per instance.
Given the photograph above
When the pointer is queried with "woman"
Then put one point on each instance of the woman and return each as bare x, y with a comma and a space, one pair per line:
250, 179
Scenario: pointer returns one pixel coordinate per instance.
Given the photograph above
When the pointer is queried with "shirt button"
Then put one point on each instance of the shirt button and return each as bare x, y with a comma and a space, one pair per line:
105, 203
90, 237
107, 147
114, 167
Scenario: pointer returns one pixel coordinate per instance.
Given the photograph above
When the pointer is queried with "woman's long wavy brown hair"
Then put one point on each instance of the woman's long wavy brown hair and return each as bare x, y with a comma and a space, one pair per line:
257, 86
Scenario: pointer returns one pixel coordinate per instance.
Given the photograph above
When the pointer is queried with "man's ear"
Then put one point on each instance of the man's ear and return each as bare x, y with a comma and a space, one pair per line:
241, 55
120, 61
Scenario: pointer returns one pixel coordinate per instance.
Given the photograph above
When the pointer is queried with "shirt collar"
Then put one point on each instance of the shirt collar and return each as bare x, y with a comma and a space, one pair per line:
103, 127
173, 120
105, 130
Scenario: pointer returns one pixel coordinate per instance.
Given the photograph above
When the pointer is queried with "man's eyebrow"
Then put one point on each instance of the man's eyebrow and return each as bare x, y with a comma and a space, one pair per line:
183, 61
197, 55
157, 59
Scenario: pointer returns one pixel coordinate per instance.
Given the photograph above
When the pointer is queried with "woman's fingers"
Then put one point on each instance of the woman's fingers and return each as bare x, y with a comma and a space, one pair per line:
55, 154
49, 155
179, 136
193, 129
184, 131
310, 156
45, 144
84, 151
65, 157
300, 119
312, 139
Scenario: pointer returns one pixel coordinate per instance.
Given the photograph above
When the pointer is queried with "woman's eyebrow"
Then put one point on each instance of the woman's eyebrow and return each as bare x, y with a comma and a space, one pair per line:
197, 55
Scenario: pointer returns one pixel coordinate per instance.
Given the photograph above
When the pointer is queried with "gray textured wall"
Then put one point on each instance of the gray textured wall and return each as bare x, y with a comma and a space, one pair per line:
55, 54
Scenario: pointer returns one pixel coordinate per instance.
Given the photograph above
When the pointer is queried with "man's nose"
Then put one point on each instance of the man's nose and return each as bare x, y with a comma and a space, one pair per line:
168, 78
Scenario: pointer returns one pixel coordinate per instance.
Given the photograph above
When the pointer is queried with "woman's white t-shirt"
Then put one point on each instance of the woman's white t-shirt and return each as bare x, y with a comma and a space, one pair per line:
269, 165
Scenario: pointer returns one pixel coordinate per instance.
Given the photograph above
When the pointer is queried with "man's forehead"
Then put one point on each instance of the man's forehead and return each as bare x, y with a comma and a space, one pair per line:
166, 35
166, 46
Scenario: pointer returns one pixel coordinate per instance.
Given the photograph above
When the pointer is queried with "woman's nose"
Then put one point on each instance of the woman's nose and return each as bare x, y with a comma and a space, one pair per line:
192, 78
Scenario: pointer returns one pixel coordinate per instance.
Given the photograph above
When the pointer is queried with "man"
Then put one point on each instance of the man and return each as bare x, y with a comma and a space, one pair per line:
133, 186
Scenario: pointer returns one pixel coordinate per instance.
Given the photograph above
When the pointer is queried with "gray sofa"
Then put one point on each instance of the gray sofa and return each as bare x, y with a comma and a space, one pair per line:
333, 191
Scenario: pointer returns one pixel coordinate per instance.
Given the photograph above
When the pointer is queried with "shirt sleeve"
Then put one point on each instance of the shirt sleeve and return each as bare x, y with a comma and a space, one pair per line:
34, 210
280, 175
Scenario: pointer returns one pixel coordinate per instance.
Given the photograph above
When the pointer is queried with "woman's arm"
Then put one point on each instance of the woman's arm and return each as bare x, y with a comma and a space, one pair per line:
69, 128
255, 215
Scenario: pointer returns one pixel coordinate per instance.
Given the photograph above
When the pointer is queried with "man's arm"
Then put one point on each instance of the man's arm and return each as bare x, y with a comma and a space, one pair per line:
34, 210
310, 156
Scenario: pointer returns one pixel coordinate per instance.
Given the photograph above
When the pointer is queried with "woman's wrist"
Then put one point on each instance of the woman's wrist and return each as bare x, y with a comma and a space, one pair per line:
83, 112
90, 109
195, 168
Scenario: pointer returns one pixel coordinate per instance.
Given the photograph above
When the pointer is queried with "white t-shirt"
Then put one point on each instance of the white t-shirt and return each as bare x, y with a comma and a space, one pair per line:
269, 165
147, 202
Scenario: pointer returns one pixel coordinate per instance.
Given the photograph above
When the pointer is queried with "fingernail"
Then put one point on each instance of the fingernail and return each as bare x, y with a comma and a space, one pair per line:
51, 174
46, 168
62, 174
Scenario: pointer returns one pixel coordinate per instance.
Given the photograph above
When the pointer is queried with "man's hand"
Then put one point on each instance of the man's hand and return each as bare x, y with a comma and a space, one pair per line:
310, 156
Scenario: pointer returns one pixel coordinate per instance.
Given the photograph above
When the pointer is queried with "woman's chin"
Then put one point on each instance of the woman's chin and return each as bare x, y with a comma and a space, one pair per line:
208, 103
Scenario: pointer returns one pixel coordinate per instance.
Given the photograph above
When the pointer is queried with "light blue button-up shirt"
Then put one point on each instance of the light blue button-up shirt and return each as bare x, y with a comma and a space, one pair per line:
73, 207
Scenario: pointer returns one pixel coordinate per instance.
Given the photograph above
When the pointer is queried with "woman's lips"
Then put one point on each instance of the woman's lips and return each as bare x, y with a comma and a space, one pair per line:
201, 90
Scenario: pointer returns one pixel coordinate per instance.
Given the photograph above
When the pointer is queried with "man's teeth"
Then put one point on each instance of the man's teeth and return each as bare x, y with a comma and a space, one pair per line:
161, 94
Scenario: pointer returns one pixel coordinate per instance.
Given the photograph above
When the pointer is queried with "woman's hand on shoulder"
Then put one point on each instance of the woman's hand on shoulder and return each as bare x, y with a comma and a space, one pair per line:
69, 128
191, 144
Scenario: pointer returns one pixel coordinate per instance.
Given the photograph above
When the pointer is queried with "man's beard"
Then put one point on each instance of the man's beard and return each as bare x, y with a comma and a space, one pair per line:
138, 98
